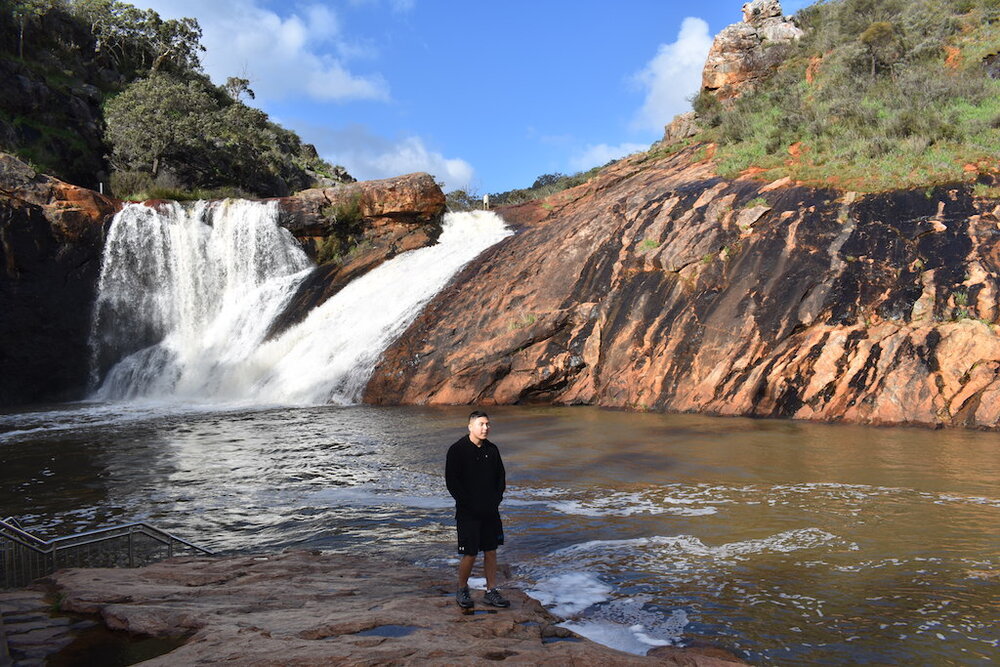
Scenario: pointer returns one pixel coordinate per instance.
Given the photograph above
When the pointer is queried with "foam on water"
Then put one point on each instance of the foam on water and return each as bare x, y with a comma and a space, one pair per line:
785, 542
611, 503
592, 610
628, 624
570, 593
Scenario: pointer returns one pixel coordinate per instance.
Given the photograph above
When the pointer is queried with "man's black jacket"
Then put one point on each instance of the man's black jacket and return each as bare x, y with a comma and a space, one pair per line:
476, 478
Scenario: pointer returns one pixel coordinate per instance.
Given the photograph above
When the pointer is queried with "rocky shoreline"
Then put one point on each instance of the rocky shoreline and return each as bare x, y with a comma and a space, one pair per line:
313, 608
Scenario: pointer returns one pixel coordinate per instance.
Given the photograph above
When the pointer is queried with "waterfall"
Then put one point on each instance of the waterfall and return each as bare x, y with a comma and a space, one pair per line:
187, 295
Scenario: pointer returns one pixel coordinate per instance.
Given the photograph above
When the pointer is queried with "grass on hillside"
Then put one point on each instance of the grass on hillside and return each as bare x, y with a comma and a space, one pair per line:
915, 110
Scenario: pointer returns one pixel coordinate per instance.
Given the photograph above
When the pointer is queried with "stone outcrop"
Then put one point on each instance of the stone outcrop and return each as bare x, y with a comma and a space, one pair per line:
58, 124
660, 286
51, 237
351, 229
683, 126
300, 608
746, 52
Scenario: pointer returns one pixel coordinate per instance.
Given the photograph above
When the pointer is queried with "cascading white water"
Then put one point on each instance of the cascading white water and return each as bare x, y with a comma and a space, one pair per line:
186, 298
331, 355
195, 289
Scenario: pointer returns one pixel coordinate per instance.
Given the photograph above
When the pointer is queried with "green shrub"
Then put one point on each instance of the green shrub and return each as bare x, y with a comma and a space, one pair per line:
708, 107
756, 201
345, 235
523, 320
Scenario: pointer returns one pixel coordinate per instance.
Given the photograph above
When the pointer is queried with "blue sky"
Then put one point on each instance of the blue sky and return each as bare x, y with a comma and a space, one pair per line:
484, 95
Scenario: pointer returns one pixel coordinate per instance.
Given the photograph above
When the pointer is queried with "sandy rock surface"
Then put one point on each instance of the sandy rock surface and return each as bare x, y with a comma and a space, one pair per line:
306, 608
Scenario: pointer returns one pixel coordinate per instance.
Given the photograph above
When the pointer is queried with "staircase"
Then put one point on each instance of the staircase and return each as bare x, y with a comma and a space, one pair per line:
25, 557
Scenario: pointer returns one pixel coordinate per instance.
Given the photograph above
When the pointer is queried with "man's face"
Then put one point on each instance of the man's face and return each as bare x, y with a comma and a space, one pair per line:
479, 428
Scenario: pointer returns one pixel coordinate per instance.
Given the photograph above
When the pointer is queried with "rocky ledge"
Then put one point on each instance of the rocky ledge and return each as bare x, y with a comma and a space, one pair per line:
351, 229
308, 608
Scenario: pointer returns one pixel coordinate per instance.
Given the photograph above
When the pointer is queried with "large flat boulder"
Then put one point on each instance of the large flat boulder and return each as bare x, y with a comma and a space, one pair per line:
311, 608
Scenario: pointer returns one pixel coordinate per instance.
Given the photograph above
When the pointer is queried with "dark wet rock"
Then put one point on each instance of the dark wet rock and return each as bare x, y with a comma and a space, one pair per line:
29, 632
51, 238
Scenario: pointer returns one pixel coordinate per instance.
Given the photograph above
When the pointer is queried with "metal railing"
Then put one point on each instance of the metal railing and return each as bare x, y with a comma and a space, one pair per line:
25, 557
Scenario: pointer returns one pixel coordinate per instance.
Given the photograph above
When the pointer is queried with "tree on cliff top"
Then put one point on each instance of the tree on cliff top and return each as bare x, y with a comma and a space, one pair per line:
134, 40
162, 119
188, 133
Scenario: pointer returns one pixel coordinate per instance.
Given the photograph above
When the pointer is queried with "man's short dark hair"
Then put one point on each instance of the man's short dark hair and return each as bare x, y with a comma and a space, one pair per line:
476, 414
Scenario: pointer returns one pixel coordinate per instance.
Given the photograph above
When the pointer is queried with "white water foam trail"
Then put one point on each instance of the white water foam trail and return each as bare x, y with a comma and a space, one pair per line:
197, 290
331, 355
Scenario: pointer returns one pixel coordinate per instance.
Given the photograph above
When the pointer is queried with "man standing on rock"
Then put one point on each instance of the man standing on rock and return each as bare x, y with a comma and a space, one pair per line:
476, 479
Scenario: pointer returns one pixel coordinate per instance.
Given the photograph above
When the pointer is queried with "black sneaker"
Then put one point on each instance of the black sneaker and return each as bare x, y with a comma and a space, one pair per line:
463, 598
494, 599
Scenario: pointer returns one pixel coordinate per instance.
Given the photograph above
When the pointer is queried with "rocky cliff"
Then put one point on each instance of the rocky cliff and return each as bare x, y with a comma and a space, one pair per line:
52, 239
660, 286
351, 229
51, 234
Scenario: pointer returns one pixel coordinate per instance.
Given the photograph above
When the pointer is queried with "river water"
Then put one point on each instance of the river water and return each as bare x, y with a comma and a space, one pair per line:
788, 543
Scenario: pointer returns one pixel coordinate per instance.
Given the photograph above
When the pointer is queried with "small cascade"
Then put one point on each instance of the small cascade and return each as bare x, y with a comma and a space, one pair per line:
187, 295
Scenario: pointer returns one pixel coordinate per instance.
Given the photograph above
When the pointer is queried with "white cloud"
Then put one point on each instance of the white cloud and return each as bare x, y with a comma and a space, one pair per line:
282, 57
595, 156
368, 156
398, 6
673, 76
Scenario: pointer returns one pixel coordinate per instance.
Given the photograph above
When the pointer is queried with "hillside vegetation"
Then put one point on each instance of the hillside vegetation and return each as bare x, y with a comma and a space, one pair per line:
877, 95
99, 91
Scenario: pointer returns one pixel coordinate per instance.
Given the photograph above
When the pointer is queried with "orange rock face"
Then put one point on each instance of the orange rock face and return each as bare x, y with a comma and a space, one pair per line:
663, 287
386, 204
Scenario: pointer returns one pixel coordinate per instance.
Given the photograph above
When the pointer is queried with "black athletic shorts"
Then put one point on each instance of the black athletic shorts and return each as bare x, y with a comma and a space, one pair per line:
475, 535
